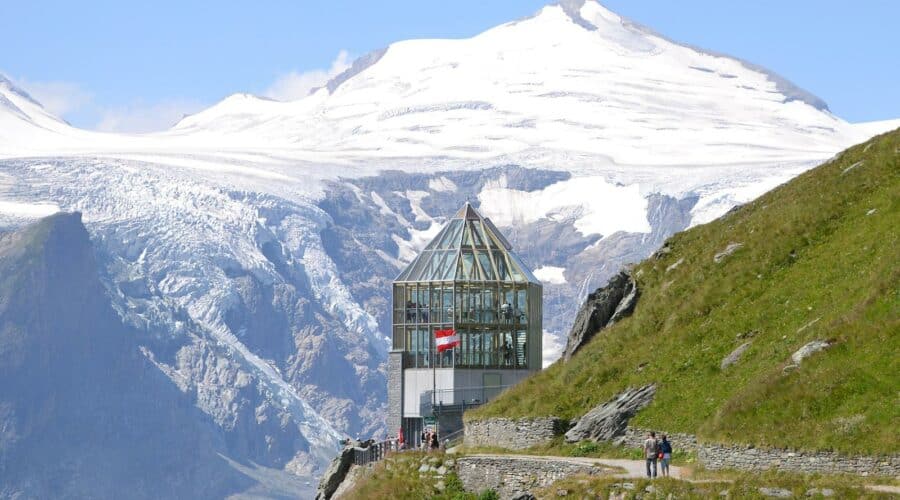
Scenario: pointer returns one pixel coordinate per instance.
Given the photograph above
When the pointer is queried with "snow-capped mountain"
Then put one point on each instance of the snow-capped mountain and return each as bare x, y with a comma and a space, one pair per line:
574, 79
252, 244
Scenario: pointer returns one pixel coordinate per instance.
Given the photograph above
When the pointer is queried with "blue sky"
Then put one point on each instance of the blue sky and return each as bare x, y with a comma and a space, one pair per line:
118, 65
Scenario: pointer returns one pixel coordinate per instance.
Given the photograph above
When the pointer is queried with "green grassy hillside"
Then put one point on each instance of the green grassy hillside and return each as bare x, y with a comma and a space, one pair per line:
820, 259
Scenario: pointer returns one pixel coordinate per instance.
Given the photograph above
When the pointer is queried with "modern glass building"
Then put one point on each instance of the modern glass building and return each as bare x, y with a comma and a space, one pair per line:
469, 280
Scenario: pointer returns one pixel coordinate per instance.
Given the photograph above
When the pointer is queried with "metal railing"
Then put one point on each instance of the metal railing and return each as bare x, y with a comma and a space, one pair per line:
453, 439
374, 452
457, 399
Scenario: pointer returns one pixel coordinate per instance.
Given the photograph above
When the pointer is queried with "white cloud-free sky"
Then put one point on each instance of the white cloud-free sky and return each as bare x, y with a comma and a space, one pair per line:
137, 66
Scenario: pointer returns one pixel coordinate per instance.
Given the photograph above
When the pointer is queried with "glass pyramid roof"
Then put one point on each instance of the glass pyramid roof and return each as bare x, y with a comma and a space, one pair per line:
468, 248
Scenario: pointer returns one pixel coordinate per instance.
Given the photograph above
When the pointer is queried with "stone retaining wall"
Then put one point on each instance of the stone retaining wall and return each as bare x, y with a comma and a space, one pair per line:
743, 457
512, 434
715, 457
511, 475
635, 437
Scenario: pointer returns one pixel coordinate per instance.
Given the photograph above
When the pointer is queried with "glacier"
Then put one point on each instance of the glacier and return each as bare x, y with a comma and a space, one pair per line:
252, 245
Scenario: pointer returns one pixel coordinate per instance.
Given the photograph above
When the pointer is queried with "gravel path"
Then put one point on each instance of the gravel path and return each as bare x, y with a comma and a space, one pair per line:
633, 468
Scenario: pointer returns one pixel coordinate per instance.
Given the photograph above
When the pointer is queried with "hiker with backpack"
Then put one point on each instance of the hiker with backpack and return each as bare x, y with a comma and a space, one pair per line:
665, 455
651, 453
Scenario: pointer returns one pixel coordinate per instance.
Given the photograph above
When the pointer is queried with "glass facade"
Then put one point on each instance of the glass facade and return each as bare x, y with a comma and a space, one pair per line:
468, 279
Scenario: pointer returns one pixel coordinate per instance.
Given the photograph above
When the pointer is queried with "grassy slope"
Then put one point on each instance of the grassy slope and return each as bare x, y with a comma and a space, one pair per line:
816, 263
744, 486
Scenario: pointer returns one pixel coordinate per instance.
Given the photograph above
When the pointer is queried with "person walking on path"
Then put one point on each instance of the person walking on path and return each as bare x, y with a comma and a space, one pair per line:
651, 452
665, 451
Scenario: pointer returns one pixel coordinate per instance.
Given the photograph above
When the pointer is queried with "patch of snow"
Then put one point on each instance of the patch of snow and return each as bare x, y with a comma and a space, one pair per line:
408, 249
415, 202
596, 205
442, 185
27, 210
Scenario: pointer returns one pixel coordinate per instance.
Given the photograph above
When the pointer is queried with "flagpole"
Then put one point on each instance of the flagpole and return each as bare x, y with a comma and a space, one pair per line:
434, 380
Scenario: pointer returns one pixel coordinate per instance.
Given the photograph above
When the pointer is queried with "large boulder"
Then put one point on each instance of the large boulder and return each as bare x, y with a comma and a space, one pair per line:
604, 307
609, 420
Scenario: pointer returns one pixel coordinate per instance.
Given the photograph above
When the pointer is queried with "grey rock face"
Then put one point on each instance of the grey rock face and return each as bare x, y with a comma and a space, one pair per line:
79, 402
730, 249
776, 492
335, 474
602, 308
808, 350
610, 419
734, 356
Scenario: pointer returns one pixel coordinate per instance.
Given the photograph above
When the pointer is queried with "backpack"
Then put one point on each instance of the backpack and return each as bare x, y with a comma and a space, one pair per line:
665, 447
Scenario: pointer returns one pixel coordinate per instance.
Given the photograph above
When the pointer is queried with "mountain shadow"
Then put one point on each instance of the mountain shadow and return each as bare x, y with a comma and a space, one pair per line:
83, 413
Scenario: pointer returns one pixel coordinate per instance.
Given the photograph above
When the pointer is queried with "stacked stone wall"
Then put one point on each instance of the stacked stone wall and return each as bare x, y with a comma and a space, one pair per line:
634, 438
508, 476
395, 392
715, 457
512, 434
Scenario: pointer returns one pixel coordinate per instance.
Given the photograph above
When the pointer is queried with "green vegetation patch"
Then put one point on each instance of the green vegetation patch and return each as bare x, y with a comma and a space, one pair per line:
414, 476
817, 258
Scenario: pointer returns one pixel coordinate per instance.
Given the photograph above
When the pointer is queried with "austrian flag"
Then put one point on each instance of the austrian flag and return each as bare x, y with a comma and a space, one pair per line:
446, 339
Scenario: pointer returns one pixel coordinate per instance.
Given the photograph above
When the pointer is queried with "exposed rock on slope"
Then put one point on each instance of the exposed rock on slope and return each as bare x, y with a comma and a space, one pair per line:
602, 308
734, 356
809, 349
610, 419
336, 472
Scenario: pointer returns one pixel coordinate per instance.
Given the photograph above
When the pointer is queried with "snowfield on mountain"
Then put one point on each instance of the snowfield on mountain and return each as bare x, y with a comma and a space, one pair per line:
252, 245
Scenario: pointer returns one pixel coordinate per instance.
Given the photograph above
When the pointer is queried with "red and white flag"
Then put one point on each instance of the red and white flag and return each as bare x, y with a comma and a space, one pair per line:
446, 339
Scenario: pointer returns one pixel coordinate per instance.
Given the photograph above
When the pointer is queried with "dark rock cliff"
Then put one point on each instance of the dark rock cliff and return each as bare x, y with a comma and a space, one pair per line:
603, 307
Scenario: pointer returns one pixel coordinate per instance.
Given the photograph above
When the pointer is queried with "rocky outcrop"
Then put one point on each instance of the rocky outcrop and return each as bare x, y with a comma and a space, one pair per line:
335, 474
512, 434
730, 249
610, 420
808, 350
604, 307
734, 356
